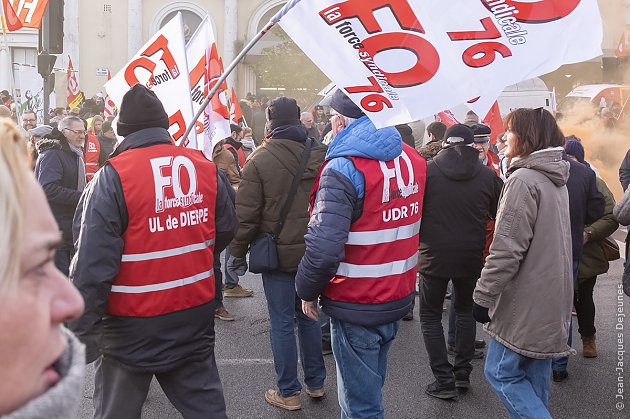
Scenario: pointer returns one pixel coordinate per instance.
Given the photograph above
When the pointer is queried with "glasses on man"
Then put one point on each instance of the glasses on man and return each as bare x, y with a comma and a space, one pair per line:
77, 131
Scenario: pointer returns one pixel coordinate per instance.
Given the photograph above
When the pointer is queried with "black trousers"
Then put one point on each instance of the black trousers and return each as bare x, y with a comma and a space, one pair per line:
432, 292
585, 307
194, 389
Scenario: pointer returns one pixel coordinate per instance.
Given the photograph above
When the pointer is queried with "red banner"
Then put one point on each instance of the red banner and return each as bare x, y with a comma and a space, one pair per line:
74, 95
495, 122
24, 13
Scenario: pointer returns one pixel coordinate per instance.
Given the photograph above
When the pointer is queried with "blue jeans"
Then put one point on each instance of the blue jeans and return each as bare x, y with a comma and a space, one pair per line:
218, 280
560, 364
230, 281
361, 358
521, 383
284, 306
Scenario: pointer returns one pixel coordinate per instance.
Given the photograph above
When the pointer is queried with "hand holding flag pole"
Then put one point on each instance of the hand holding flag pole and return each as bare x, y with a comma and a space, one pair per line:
275, 19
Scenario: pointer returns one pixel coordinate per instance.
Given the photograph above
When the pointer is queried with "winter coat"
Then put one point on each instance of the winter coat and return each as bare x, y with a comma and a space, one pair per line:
225, 161
527, 281
624, 171
339, 202
62, 400
586, 203
622, 209
107, 148
461, 195
144, 344
57, 171
266, 181
593, 261
429, 151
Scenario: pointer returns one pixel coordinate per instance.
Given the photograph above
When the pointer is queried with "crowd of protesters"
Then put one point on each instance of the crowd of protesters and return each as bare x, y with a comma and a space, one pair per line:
328, 208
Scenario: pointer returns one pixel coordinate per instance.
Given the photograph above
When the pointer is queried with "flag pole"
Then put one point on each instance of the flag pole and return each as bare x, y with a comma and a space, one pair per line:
272, 22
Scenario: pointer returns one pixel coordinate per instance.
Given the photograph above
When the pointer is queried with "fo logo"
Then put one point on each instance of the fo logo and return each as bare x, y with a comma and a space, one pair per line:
402, 188
175, 180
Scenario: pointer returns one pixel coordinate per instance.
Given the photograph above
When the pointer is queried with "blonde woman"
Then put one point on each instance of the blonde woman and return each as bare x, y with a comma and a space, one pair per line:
42, 363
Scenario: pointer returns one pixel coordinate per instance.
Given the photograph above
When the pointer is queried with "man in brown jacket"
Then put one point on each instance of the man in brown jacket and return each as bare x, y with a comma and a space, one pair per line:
266, 180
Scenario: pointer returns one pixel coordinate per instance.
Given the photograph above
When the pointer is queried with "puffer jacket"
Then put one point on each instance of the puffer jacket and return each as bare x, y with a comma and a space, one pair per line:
57, 171
593, 261
527, 280
266, 180
622, 209
339, 202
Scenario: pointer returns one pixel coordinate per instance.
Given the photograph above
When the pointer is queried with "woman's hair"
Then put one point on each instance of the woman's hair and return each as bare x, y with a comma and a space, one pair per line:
14, 174
535, 129
94, 119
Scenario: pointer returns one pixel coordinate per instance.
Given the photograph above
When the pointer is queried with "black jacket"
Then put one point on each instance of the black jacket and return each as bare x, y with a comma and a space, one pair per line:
107, 148
624, 171
461, 195
149, 344
586, 203
57, 170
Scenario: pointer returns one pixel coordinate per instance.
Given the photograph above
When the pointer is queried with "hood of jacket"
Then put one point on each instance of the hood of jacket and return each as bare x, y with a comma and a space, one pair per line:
54, 140
549, 162
458, 162
363, 139
143, 138
62, 400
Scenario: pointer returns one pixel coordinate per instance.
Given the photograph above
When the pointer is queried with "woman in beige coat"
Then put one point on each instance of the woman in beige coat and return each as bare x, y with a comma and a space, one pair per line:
525, 291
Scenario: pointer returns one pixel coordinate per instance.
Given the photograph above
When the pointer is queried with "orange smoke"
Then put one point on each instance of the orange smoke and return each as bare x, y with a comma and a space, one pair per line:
604, 148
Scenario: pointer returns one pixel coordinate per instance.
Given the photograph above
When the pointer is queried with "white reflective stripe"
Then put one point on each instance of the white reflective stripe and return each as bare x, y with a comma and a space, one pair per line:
374, 271
138, 257
139, 289
383, 236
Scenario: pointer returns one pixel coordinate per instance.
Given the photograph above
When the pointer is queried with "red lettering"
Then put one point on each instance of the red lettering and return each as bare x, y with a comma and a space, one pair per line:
490, 32
375, 102
488, 51
197, 72
427, 57
178, 119
374, 87
541, 11
160, 44
364, 11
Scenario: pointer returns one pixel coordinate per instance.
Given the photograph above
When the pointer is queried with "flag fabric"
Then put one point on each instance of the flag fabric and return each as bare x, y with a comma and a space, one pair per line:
495, 122
109, 109
621, 50
404, 60
23, 13
236, 113
213, 124
161, 66
447, 118
74, 95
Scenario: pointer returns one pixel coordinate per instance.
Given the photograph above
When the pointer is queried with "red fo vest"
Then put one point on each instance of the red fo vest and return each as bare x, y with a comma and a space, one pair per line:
92, 153
381, 254
239, 152
167, 259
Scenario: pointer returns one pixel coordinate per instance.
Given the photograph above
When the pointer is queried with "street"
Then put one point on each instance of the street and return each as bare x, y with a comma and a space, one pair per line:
245, 364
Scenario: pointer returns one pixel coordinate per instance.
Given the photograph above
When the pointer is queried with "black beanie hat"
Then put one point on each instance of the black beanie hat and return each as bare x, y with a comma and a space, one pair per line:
345, 106
459, 134
140, 109
283, 111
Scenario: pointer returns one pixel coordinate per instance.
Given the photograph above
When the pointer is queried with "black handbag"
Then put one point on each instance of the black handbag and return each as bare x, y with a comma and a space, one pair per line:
263, 251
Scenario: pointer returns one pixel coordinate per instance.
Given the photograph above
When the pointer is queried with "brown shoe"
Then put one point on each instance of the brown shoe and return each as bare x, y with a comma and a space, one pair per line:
238, 292
315, 393
222, 314
288, 403
589, 350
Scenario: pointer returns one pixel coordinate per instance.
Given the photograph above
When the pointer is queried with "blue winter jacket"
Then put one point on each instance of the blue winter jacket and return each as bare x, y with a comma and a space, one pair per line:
339, 202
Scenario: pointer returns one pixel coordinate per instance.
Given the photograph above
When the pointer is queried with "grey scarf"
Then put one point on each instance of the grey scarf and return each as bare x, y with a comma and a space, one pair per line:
62, 400
81, 177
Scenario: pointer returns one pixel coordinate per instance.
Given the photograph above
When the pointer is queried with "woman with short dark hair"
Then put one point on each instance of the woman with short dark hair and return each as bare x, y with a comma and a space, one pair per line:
525, 291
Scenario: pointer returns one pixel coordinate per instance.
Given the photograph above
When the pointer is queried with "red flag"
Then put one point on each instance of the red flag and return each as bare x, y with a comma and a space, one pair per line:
494, 121
75, 97
447, 118
236, 113
108, 111
621, 48
24, 13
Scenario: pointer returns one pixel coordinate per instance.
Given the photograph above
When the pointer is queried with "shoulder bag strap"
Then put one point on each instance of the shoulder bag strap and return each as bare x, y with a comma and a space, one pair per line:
294, 186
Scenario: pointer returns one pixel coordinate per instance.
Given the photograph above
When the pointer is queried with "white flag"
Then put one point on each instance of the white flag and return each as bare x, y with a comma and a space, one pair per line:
404, 60
213, 125
161, 66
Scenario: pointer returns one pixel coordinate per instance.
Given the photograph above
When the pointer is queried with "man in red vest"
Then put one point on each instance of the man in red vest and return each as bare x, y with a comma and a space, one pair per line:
91, 154
362, 251
146, 229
